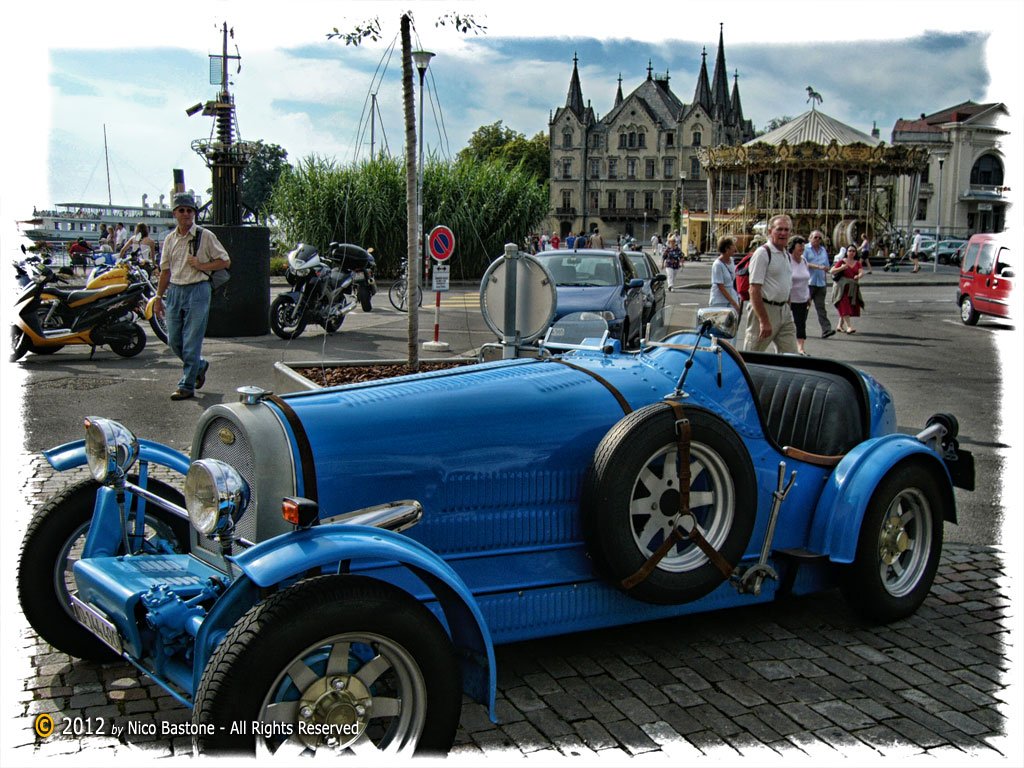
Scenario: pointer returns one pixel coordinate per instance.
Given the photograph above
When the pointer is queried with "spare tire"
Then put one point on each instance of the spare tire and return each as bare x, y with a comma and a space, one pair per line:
630, 502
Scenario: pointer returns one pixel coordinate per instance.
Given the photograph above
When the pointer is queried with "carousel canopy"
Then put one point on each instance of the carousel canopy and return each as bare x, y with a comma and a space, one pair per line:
817, 128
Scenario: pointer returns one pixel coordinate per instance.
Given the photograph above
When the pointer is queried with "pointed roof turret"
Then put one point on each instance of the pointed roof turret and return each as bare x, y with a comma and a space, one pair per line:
574, 100
734, 102
702, 94
720, 82
618, 93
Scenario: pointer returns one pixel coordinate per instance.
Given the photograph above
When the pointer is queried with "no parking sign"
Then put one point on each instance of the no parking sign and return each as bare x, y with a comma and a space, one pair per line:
441, 243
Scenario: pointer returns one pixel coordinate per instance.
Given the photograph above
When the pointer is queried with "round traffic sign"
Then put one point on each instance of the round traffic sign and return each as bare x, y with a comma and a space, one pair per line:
441, 242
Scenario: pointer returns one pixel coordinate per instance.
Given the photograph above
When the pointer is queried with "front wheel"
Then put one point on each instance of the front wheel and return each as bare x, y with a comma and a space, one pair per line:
968, 314
53, 544
159, 326
20, 343
338, 664
899, 545
133, 345
286, 320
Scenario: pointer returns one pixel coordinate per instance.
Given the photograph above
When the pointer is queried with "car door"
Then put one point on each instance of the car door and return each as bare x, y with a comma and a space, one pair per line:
968, 274
633, 297
991, 287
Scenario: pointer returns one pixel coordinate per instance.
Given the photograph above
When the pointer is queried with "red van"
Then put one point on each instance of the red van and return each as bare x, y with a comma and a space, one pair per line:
986, 279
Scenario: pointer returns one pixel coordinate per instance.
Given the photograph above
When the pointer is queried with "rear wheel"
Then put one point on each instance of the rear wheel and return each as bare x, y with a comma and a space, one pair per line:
285, 318
131, 346
968, 314
53, 544
363, 292
357, 660
899, 545
20, 343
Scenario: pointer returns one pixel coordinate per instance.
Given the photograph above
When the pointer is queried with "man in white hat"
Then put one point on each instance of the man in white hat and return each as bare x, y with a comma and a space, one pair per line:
184, 292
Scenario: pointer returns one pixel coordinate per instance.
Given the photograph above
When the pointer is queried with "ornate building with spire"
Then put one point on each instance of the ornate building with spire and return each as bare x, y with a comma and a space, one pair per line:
632, 171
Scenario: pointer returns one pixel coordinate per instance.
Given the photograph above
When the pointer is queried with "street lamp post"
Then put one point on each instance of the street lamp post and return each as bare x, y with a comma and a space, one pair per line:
422, 60
938, 222
684, 244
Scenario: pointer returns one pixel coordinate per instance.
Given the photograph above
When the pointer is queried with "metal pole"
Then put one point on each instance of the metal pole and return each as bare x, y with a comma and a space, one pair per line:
938, 222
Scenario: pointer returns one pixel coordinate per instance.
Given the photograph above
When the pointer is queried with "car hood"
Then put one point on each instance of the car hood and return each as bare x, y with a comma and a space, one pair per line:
595, 299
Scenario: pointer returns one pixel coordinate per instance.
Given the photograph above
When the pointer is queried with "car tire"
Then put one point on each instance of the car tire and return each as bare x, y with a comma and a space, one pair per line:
283, 322
629, 502
899, 545
47, 554
968, 314
283, 650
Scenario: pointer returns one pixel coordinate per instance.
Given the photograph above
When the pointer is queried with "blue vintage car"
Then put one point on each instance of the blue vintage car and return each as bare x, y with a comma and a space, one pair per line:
337, 566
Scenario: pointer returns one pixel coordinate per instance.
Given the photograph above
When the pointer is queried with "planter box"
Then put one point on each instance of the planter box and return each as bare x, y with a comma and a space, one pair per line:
288, 376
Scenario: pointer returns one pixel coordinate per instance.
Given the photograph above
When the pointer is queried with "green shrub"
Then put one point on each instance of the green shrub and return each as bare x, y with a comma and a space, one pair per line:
278, 266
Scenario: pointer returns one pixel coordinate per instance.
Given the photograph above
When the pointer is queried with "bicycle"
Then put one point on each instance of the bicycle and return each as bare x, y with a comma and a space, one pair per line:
397, 294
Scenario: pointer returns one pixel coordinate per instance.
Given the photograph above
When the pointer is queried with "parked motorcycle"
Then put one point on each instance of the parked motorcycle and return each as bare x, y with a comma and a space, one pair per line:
323, 288
128, 271
49, 318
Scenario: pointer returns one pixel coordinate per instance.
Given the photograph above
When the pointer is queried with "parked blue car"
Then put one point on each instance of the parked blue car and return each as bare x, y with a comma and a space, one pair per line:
338, 565
608, 283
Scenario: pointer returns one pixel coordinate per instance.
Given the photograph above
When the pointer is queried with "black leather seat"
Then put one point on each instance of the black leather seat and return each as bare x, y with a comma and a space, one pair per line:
813, 411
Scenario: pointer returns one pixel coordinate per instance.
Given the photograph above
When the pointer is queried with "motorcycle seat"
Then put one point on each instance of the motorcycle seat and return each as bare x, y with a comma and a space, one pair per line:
78, 298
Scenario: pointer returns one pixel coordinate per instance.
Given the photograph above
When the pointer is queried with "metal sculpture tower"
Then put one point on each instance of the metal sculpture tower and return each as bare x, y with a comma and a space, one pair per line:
225, 156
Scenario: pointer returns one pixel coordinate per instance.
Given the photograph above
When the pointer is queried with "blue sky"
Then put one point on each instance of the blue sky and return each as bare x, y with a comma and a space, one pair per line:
309, 94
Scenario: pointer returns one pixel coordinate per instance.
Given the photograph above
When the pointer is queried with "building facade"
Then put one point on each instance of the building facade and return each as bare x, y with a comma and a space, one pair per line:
961, 192
632, 172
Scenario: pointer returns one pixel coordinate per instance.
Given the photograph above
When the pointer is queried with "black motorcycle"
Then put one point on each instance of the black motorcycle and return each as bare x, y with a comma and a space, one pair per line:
325, 288
49, 318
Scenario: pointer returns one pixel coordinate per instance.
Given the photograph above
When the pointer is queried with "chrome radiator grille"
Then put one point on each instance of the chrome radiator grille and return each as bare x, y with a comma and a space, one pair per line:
236, 452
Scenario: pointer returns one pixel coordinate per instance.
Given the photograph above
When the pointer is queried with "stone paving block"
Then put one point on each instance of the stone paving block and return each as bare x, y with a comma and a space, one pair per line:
656, 674
742, 693
724, 703
506, 711
493, 742
635, 710
549, 723
842, 714
806, 668
916, 732
567, 706
617, 668
843, 741
811, 745
773, 670
799, 689
680, 719
608, 688
804, 716
872, 708
682, 694
541, 683
752, 725
991, 717
887, 741
839, 668
594, 734
963, 722
572, 746
525, 699
713, 720
690, 677
474, 717
557, 666
711, 743
923, 700
525, 736
670, 742
585, 665
647, 693
776, 719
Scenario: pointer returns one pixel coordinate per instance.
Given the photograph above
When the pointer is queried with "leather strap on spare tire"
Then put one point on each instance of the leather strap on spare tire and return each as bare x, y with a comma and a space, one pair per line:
630, 503
683, 433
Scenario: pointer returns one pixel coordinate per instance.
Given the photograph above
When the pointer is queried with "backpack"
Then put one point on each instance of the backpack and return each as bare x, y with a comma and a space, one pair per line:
743, 273
217, 279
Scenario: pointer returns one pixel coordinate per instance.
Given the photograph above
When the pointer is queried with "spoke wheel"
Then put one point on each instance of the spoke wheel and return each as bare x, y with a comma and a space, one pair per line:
53, 544
630, 502
133, 345
339, 664
899, 545
286, 321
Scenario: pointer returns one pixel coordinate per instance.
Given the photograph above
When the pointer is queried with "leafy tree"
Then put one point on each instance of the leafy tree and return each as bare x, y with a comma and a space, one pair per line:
775, 122
513, 149
260, 176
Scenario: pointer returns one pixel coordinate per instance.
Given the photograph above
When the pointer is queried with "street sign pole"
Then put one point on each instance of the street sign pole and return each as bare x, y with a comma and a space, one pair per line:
441, 244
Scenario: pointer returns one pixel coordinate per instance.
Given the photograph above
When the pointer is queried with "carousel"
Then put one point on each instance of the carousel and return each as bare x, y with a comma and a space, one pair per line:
823, 173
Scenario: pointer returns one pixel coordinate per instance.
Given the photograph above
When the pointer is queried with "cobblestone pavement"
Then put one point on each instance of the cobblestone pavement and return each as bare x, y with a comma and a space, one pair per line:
803, 677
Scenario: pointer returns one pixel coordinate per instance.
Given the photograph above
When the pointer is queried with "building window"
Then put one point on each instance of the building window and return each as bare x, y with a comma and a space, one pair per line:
631, 168
648, 169
670, 139
641, 140
924, 174
696, 139
987, 171
613, 168
668, 167
694, 168
595, 169
567, 168
594, 200
666, 200
631, 143
622, 141
566, 139
631, 200
613, 199
566, 199
922, 209
648, 201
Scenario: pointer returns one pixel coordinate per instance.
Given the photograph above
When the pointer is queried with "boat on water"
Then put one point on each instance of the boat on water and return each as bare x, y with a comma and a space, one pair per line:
67, 222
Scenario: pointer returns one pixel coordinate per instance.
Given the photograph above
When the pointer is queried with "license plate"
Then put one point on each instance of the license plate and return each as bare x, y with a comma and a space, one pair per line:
97, 623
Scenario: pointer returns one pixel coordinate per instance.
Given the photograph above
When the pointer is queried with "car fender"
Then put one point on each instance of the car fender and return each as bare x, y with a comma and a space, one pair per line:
295, 554
71, 455
840, 510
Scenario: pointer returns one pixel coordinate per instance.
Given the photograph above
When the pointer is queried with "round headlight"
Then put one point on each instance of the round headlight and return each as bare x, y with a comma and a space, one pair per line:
215, 496
110, 448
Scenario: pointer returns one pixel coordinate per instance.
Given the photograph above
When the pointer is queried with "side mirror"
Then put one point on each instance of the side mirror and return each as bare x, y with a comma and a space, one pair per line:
722, 322
636, 282
1006, 272
659, 278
